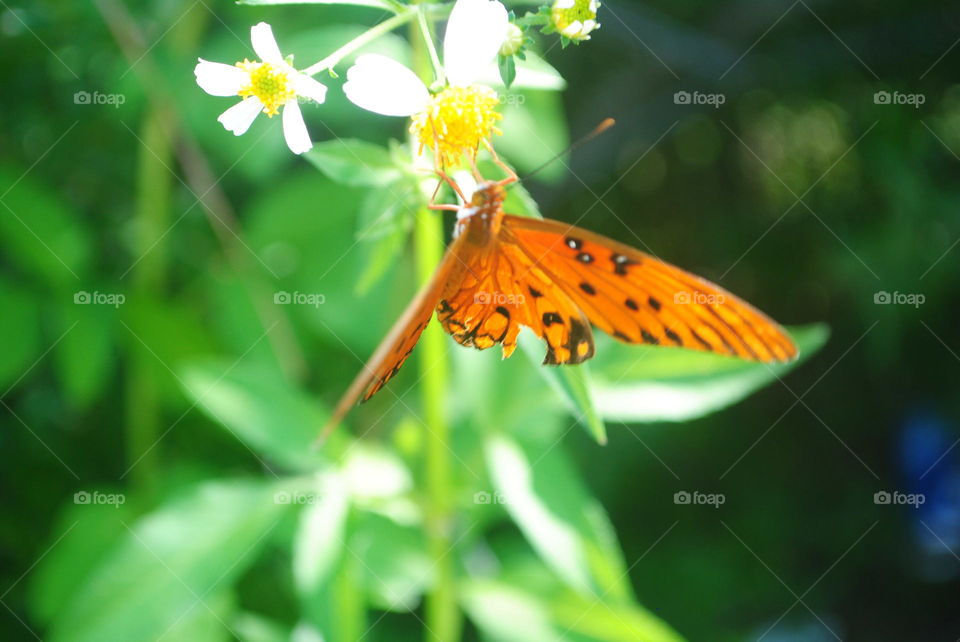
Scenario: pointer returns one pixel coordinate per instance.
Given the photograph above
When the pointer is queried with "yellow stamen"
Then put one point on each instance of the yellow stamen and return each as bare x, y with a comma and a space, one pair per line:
271, 83
455, 122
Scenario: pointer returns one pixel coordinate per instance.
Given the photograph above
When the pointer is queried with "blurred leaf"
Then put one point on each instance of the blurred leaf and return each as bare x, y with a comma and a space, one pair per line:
354, 162
170, 562
39, 232
568, 528
396, 566
571, 382
253, 627
534, 132
385, 219
206, 622
508, 612
19, 324
376, 4
85, 355
85, 533
647, 383
262, 411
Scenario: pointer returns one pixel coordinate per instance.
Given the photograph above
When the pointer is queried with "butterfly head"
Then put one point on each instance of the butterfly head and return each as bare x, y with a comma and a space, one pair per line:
481, 218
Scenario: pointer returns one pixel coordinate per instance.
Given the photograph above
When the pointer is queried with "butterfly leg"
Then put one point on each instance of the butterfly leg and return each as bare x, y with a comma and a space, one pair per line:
511, 175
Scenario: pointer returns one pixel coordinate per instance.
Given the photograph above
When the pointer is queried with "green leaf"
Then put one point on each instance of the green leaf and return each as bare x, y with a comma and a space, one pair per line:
262, 411
354, 162
39, 232
512, 612
396, 567
531, 72
19, 323
84, 357
508, 70
385, 219
376, 4
571, 382
647, 384
170, 563
566, 527
252, 627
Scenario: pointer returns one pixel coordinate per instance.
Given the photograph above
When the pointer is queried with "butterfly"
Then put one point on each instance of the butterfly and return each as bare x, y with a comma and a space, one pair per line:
502, 272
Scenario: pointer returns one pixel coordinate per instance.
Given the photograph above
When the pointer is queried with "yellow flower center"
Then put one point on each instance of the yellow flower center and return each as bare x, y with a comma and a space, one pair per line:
455, 122
272, 84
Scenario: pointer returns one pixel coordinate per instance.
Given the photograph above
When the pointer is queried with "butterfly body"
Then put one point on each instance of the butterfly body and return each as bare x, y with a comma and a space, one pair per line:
502, 272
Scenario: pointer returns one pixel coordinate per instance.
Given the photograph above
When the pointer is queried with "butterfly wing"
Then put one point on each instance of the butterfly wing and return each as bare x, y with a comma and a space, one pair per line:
393, 351
639, 299
496, 290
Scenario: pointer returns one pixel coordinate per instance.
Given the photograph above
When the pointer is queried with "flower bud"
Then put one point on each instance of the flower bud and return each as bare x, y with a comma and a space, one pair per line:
575, 19
513, 40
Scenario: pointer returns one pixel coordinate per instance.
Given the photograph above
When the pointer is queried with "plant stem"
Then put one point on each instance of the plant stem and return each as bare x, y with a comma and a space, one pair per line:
365, 38
443, 619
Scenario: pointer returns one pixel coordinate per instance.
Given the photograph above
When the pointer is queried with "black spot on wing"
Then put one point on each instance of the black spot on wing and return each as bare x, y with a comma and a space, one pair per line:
654, 303
673, 336
630, 303
585, 257
534, 292
586, 287
649, 338
549, 318
573, 243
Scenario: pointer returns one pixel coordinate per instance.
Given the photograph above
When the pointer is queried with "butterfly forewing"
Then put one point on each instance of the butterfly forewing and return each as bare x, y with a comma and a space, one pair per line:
639, 299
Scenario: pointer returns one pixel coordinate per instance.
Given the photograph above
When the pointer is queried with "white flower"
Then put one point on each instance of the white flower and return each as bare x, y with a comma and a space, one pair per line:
456, 119
575, 19
266, 86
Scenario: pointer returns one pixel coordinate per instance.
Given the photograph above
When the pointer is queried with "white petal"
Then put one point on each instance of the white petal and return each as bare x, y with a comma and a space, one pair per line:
563, 4
304, 85
384, 86
218, 79
294, 129
238, 118
475, 31
261, 36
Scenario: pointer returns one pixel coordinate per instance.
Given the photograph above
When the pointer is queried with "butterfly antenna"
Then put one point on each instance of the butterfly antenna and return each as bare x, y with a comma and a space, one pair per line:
604, 125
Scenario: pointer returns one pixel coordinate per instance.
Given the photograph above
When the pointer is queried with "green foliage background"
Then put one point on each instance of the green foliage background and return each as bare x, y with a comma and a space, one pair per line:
197, 399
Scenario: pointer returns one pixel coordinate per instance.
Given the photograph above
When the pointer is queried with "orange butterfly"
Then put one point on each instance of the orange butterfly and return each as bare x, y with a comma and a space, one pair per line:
503, 271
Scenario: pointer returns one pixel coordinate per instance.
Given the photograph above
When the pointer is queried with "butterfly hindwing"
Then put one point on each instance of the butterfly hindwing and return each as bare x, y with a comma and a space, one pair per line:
497, 290
637, 298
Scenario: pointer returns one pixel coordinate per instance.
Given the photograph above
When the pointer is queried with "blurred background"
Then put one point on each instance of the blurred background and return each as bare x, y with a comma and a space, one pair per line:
158, 398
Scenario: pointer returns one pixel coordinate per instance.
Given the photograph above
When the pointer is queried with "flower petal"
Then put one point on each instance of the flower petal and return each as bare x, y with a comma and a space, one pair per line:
384, 86
294, 129
218, 79
304, 85
261, 36
238, 118
475, 31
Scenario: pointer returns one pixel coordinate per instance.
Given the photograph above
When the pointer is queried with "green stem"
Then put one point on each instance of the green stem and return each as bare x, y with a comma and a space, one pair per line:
363, 39
443, 618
